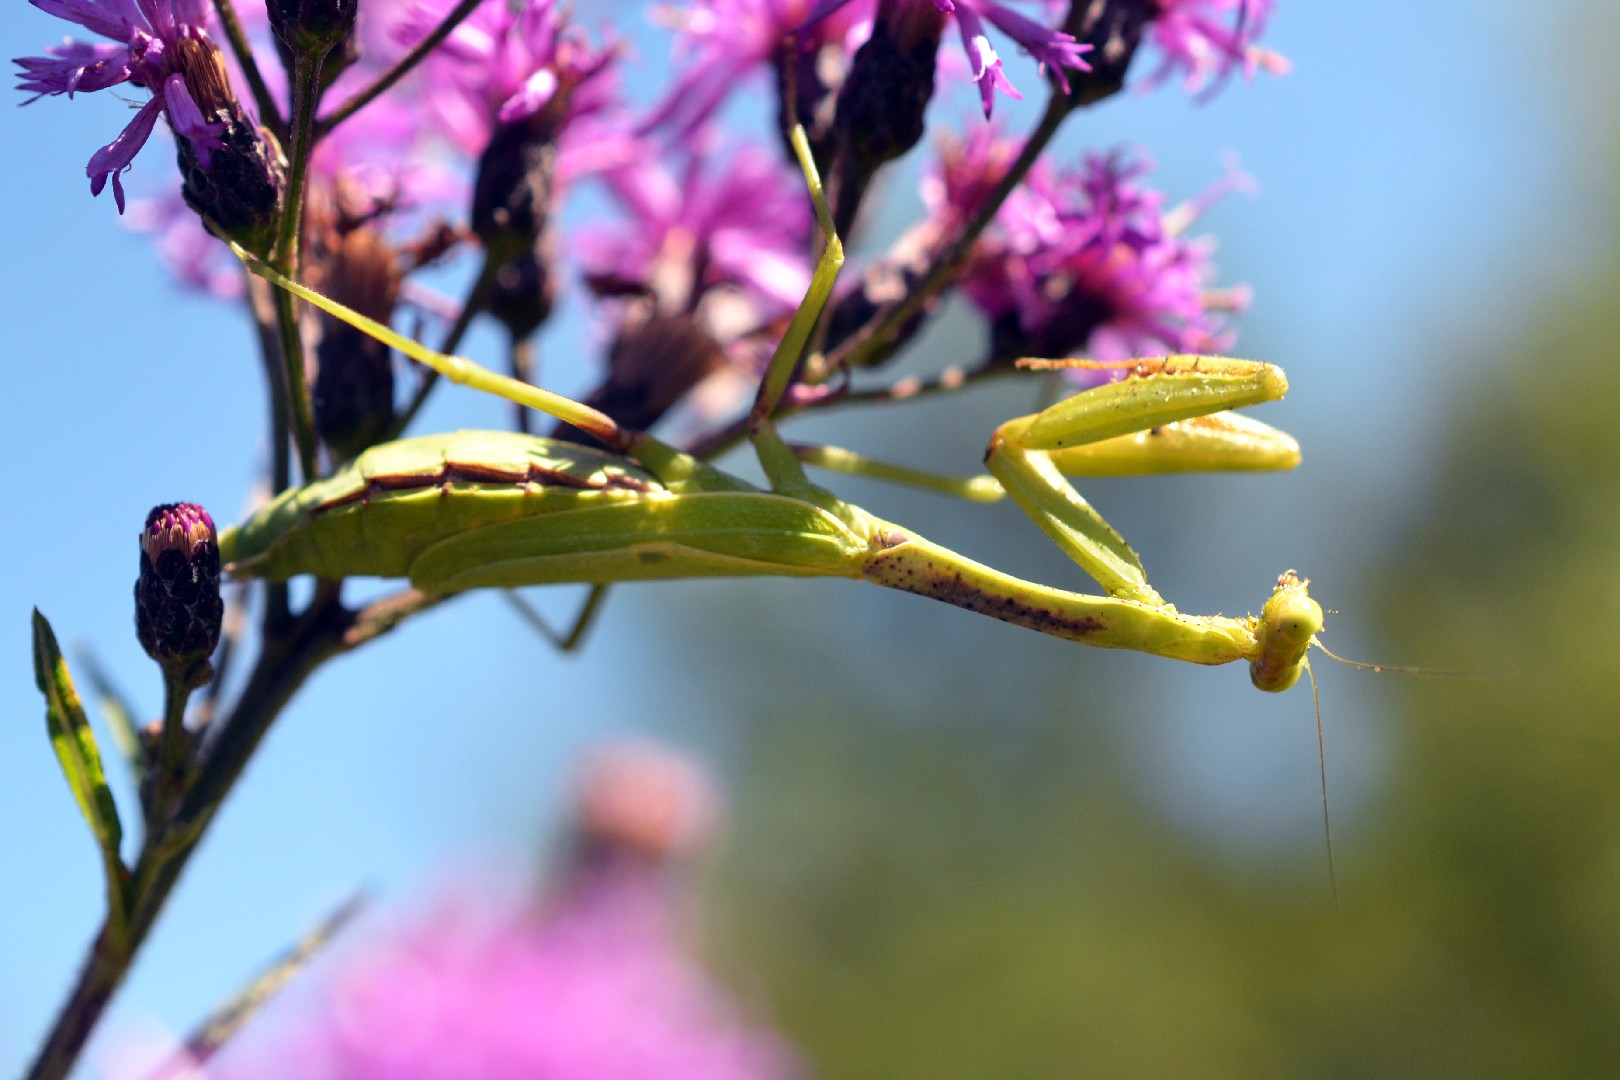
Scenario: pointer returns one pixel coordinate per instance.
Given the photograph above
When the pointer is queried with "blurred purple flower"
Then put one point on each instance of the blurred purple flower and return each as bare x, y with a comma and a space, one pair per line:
595, 988
148, 54
1087, 260
1052, 49
741, 221
719, 43
196, 258
507, 62
1208, 39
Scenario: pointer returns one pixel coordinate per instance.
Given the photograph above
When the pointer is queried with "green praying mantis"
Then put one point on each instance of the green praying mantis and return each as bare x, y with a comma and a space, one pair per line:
483, 509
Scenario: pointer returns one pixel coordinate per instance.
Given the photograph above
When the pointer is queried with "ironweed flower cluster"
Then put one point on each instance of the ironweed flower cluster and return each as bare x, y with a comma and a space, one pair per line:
354, 144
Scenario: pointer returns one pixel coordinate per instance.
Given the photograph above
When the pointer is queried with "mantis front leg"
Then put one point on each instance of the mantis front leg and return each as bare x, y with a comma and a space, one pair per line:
1165, 415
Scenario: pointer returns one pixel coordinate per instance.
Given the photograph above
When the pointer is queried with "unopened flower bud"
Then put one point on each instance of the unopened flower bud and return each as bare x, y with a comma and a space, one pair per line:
178, 610
1113, 28
311, 27
512, 195
809, 75
880, 109
236, 187
654, 363
525, 290
353, 394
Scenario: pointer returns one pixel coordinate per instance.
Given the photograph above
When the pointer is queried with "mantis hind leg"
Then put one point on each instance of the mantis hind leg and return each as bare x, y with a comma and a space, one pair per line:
565, 641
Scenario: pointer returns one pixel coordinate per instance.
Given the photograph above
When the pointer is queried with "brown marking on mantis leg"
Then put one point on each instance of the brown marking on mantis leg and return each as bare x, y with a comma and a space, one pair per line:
900, 564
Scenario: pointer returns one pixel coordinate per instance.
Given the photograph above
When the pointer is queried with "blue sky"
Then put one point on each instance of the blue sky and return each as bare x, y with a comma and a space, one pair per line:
1424, 181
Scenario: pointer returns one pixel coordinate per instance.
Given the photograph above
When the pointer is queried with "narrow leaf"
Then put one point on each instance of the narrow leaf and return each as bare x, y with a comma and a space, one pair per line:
229, 1018
116, 713
75, 747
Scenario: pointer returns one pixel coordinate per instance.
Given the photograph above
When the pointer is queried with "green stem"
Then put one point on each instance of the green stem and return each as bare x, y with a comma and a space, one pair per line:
400, 69
306, 92
103, 970
173, 756
470, 306
269, 113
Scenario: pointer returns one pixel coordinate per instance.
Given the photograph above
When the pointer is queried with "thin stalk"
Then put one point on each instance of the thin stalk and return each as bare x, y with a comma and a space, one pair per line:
172, 752
399, 70
470, 306
261, 305
862, 347
269, 112
522, 355
717, 442
306, 92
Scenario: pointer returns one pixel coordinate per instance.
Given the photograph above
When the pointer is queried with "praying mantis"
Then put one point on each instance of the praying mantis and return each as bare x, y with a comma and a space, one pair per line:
495, 509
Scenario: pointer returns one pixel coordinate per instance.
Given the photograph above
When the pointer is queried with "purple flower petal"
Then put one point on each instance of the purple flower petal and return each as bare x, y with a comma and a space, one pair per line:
115, 19
188, 122
982, 59
1051, 48
71, 67
116, 156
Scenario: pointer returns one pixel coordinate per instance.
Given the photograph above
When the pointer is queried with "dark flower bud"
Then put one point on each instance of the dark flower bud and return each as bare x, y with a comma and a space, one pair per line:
1113, 28
525, 290
655, 362
516, 179
311, 27
880, 109
177, 606
353, 394
236, 187
809, 75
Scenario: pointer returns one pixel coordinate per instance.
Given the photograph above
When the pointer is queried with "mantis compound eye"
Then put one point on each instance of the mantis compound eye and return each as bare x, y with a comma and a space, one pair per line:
1288, 624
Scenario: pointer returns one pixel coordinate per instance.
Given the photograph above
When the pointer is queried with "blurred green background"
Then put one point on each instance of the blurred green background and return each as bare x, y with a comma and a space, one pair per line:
994, 892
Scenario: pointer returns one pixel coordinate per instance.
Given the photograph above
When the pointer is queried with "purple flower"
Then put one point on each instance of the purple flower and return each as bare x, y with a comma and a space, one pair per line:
1052, 49
719, 43
161, 47
1087, 260
596, 987
742, 222
1207, 39
506, 63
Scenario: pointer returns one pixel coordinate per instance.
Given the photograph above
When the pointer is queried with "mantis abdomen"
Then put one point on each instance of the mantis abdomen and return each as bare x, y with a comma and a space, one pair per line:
491, 508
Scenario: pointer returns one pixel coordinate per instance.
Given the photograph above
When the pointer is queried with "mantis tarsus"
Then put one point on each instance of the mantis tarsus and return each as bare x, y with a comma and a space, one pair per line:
480, 509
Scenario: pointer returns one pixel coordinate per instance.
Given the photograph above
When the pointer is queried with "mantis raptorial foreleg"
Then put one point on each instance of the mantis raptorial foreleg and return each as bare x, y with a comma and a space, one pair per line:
1027, 455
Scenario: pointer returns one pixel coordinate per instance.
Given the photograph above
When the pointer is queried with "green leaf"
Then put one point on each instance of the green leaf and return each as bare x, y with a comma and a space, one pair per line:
75, 747
116, 713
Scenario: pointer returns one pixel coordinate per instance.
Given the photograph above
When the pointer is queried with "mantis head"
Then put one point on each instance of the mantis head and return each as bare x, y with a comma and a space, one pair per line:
1287, 627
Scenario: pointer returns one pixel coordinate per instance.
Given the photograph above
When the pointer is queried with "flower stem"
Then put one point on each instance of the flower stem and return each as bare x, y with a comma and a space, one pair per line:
863, 348
306, 92
400, 69
474, 302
